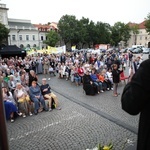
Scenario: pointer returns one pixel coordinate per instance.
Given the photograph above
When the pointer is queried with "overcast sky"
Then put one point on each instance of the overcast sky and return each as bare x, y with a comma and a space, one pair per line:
109, 11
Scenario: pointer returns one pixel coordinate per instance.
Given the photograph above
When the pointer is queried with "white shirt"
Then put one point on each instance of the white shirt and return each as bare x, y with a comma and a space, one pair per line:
20, 92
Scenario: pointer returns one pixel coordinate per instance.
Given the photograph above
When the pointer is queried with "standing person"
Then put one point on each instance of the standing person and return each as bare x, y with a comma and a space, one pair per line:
136, 99
39, 66
32, 77
62, 58
130, 58
116, 79
46, 65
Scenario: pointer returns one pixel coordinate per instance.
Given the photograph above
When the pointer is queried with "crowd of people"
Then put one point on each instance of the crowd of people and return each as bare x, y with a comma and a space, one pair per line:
98, 73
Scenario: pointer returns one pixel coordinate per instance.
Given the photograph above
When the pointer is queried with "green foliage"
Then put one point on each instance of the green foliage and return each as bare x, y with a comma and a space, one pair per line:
119, 32
68, 29
147, 23
3, 33
102, 33
52, 38
83, 31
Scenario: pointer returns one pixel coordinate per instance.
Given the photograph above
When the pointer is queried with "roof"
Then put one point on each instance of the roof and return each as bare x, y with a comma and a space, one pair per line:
20, 25
46, 26
41, 26
140, 25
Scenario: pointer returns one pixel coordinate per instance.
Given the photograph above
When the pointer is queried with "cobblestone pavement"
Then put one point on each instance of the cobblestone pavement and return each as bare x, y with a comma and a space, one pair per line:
83, 122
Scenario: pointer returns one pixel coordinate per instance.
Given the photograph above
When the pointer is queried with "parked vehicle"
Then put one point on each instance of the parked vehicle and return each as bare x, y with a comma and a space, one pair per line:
124, 50
137, 46
146, 50
137, 51
131, 49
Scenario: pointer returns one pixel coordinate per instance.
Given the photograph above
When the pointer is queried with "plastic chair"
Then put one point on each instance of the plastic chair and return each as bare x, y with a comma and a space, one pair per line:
123, 77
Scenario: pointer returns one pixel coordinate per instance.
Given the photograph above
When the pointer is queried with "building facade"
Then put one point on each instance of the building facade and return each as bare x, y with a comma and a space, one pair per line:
23, 33
3, 14
142, 38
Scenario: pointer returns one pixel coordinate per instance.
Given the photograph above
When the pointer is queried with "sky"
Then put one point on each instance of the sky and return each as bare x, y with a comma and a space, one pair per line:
107, 11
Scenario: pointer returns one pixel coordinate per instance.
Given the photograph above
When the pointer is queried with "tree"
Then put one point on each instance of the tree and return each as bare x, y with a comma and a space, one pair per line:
3, 33
102, 33
135, 30
147, 23
119, 32
83, 24
52, 38
68, 29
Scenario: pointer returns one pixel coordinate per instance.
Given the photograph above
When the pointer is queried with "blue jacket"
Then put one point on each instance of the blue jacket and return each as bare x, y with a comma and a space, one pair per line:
34, 91
94, 77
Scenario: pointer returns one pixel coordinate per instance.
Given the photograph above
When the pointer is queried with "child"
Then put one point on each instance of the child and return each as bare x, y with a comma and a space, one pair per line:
116, 79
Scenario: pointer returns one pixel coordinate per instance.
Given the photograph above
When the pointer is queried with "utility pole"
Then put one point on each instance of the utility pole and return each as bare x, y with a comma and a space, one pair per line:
3, 128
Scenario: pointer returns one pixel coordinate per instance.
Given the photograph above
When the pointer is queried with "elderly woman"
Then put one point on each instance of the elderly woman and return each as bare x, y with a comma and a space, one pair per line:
36, 97
11, 83
23, 99
32, 77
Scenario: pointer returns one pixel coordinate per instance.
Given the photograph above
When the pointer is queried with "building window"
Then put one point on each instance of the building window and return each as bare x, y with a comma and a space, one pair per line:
41, 38
20, 37
14, 37
140, 37
28, 45
146, 38
21, 46
34, 45
33, 37
27, 37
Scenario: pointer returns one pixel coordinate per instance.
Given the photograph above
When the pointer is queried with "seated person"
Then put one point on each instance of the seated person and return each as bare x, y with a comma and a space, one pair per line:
10, 108
46, 91
51, 70
23, 99
4, 83
96, 81
37, 97
109, 75
67, 72
88, 85
72, 73
12, 83
17, 77
101, 78
9, 95
107, 80
77, 79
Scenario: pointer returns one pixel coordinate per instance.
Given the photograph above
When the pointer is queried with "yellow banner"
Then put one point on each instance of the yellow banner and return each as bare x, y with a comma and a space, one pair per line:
49, 50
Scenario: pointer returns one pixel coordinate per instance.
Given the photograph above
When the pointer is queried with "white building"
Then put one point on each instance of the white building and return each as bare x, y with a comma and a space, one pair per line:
23, 33
142, 38
3, 14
